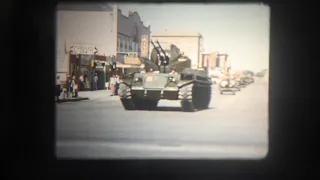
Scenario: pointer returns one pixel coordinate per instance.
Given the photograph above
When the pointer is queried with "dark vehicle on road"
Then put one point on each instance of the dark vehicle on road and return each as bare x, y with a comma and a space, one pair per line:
248, 77
143, 91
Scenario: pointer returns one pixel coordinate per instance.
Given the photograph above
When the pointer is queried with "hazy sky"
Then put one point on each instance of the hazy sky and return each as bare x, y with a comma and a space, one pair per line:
241, 30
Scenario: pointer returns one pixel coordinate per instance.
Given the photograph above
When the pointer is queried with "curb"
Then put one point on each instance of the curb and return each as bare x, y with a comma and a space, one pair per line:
72, 100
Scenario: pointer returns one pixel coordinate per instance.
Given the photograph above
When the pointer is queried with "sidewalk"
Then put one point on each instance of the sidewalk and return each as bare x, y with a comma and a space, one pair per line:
89, 95
72, 99
95, 94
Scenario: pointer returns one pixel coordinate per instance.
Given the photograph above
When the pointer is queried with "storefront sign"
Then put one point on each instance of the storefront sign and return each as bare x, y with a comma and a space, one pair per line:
144, 46
82, 49
132, 60
99, 64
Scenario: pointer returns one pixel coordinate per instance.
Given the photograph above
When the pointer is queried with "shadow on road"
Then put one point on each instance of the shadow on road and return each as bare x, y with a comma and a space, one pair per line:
171, 109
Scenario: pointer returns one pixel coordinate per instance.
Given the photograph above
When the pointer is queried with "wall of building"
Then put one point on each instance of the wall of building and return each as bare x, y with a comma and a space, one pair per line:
97, 28
209, 60
187, 44
130, 31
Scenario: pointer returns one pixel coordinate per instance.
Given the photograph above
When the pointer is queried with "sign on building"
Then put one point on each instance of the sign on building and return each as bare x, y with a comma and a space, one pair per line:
144, 46
133, 60
82, 49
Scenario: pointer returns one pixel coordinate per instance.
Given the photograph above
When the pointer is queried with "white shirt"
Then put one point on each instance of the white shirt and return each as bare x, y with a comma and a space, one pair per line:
113, 81
81, 78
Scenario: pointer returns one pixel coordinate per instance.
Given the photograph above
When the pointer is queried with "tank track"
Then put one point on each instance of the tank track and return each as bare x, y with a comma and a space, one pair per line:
131, 102
125, 95
194, 97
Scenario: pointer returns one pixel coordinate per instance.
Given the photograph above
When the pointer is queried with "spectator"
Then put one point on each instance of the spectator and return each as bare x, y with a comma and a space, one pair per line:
95, 82
113, 82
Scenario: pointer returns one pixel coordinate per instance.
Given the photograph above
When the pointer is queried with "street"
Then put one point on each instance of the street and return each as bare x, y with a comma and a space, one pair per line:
235, 126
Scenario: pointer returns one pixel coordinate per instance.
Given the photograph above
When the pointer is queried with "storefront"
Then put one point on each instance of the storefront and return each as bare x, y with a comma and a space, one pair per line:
100, 70
82, 64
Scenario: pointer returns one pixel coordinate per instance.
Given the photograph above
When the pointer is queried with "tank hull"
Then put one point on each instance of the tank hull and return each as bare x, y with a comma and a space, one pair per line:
145, 93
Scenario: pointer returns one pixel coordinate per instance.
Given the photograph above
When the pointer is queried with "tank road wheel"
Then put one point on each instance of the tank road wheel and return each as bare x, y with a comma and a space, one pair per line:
124, 93
186, 97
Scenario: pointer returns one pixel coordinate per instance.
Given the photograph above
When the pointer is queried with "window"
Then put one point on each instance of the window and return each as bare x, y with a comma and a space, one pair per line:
137, 45
130, 45
118, 43
133, 47
125, 45
121, 43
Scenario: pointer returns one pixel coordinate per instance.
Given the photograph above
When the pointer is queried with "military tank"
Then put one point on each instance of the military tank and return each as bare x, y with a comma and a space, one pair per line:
143, 91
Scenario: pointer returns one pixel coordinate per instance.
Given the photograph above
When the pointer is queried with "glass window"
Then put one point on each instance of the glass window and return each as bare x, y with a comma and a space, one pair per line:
137, 45
121, 43
130, 46
125, 44
133, 47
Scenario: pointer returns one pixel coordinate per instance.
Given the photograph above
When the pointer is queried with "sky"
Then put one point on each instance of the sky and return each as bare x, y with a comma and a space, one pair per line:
241, 30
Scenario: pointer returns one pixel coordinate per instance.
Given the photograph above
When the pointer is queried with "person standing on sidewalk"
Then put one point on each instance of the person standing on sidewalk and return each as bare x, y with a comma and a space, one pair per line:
74, 86
117, 84
81, 82
95, 82
113, 82
69, 88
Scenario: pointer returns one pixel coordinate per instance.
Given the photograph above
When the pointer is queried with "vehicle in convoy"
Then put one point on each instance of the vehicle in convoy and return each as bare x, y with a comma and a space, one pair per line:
143, 91
261, 73
227, 81
228, 84
248, 76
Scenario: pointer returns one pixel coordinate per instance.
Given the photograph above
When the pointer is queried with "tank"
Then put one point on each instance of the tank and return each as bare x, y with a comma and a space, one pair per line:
143, 90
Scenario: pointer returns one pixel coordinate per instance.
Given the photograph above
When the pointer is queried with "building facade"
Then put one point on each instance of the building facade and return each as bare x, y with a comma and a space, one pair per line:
209, 60
133, 35
85, 31
188, 43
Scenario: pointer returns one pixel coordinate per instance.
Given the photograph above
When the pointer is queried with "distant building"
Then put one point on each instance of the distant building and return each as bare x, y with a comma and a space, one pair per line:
189, 43
85, 28
209, 60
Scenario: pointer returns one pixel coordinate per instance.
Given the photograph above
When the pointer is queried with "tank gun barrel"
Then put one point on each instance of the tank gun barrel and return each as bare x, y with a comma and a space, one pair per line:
165, 59
155, 47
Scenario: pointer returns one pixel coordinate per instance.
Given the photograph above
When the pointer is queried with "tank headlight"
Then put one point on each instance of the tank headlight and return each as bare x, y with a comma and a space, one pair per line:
172, 79
136, 79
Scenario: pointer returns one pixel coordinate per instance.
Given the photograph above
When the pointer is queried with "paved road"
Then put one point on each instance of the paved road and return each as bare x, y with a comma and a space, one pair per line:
235, 126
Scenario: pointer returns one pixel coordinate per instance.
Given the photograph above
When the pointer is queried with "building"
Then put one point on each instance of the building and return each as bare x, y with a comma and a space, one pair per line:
189, 43
94, 31
209, 60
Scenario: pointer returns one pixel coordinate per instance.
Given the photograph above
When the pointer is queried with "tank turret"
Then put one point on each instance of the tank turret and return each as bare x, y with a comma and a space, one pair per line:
166, 59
